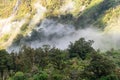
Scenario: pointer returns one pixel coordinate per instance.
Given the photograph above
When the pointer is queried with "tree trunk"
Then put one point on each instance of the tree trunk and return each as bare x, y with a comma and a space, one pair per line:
2, 77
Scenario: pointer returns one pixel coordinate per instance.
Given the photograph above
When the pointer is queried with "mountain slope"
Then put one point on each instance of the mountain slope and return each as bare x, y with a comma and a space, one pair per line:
19, 19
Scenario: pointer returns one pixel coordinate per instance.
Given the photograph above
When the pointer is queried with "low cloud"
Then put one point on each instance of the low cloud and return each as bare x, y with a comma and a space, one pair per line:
60, 35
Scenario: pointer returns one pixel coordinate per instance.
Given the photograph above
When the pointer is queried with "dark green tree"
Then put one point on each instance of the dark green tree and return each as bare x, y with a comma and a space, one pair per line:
26, 58
57, 58
41, 56
4, 63
81, 48
19, 76
99, 67
41, 76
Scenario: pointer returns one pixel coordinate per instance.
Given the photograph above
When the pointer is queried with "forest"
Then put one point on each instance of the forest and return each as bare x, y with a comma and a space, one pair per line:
78, 62
59, 39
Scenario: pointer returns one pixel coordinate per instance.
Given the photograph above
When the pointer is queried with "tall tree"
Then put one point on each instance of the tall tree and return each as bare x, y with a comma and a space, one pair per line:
4, 63
99, 66
81, 48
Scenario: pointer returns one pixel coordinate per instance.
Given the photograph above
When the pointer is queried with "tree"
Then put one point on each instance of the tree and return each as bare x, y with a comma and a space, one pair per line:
81, 48
4, 62
57, 58
41, 76
41, 56
99, 67
13, 60
19, 76
25, 59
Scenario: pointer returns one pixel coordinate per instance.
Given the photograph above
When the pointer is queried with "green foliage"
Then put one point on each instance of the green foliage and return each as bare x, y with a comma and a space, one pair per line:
18, 38
109, 77
98, 12
59, 64
99, 67
46, 63
110, 16
41, 76
114, 56
81, 48
24, 27
57, 58
19, 76
57, 77
4, 60
5, 38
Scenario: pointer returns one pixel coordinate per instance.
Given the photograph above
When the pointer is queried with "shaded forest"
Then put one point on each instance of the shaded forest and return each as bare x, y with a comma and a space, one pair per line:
57, 22
78, 62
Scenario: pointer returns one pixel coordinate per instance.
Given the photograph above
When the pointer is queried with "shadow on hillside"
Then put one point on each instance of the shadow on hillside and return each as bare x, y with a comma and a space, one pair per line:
90, 15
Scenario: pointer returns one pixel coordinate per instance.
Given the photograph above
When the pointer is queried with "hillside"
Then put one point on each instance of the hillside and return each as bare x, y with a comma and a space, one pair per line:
59, 39
20, 18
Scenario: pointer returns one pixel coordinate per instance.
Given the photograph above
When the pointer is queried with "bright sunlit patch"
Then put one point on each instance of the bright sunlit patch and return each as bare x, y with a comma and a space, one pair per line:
114, 27
68, 7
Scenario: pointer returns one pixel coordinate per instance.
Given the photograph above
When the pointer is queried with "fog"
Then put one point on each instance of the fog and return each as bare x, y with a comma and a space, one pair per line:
60, 35
55, 33
51, 32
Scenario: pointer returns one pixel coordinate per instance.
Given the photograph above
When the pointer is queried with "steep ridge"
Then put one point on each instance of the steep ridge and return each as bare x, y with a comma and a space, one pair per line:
38, 22
11, 26
15, 9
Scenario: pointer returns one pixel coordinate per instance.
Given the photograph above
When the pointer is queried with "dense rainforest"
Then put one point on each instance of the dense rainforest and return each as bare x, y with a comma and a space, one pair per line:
59, 39
47, 21
78, 62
